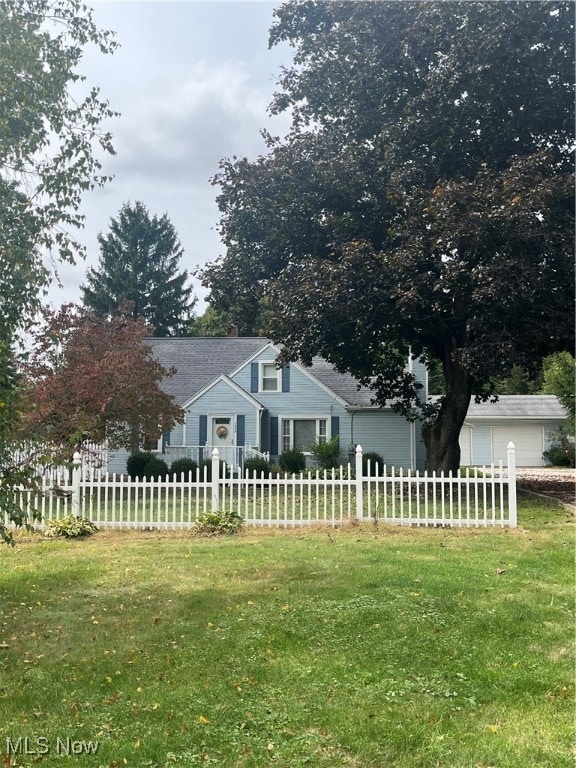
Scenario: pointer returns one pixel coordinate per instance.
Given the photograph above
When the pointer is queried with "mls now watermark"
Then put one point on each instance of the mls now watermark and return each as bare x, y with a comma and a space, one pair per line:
41, 745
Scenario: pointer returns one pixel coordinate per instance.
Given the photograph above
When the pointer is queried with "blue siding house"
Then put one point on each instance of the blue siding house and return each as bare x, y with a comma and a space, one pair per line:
236, 399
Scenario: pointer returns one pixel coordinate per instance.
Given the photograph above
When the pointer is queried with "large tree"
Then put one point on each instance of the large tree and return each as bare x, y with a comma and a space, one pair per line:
51, 145
90, 378
421, 204
139, 263
559, 378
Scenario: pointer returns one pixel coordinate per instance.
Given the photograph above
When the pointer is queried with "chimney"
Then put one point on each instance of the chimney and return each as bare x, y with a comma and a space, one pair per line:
233, 332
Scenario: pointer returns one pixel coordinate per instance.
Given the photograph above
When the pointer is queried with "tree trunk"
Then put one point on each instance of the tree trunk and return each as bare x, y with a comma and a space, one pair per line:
441, 436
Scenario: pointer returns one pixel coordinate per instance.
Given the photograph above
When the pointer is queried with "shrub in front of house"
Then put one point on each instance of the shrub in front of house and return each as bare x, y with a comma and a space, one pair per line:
327, 454
155, 468
136, 464
256, 465
292, 461
562, 451
376, 464
206, 465
183, 467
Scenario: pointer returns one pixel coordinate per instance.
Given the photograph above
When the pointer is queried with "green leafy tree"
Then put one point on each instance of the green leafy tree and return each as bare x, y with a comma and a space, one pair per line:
51, 142
215, 322
139, 263
421, 204
518, 382
211, 322
559, 376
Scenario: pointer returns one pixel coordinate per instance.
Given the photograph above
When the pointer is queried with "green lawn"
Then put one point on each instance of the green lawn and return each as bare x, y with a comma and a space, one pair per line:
366, 646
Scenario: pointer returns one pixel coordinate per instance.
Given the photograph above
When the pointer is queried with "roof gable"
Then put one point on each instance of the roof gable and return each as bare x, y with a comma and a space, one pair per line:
232, 384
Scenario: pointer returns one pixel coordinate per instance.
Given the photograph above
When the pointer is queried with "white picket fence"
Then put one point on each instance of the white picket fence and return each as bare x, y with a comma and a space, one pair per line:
475, 498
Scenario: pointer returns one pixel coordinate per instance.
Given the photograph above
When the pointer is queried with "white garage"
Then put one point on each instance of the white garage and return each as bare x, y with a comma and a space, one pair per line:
528, 421
528, 441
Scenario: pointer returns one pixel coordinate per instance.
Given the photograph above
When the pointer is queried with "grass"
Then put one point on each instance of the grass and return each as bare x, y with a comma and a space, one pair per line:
371, 647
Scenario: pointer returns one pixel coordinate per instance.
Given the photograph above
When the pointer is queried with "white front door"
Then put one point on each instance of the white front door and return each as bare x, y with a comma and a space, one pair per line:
223, 437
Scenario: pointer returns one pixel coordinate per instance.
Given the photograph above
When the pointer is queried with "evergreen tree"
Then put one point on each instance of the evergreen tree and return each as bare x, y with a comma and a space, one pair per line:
139, 264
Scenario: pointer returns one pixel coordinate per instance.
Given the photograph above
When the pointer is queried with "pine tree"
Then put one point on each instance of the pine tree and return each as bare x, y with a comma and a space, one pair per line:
138, 264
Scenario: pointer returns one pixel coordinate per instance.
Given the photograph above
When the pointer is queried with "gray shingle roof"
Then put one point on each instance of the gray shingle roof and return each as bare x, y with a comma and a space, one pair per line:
199, 360
343, 384
518, 407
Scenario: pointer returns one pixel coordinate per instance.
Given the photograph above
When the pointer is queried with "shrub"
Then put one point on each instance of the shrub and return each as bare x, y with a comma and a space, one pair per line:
562, 451
376, 464
327, 454
256, 465
155, 468
292, 461
183, 466
219, 523
137, 462
70, 527
208, 464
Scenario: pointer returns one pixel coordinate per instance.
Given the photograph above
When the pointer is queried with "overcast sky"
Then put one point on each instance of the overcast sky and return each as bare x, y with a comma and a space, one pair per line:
192, 81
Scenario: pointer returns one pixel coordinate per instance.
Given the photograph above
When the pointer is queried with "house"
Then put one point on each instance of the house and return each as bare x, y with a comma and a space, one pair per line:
237, 400
529, 421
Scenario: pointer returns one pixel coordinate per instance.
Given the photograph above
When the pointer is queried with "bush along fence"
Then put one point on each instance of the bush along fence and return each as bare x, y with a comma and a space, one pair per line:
471, 498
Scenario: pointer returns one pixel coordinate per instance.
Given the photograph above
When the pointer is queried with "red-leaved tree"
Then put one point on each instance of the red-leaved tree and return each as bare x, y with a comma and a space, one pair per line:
90, 378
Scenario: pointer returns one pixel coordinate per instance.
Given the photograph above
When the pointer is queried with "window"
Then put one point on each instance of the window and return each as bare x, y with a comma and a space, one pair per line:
266, 377
270, 380
302, 433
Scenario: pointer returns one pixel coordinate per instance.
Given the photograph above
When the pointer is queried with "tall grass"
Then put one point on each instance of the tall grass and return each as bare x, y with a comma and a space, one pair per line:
365, 646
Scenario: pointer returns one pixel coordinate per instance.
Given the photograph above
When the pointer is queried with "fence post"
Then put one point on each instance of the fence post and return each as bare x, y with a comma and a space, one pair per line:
359, 484
76, 477
512, 507
215, 480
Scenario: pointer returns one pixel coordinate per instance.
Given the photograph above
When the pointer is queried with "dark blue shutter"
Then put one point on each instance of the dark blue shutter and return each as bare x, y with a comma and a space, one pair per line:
254, 377
240, 430
286, 378
165, 440
274, 436
203, 431
335, 425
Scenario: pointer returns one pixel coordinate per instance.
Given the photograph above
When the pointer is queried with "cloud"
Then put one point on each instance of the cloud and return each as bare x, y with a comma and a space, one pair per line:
180, 133
192, 81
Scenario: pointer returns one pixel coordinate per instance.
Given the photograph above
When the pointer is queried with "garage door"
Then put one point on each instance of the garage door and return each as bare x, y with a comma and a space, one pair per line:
527, 440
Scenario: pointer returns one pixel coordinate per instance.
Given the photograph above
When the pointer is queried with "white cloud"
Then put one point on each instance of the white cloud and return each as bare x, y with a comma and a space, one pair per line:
192, 81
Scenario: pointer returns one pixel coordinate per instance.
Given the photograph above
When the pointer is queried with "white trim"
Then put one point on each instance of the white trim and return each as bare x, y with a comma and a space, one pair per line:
253, 357
261, 390
324, 387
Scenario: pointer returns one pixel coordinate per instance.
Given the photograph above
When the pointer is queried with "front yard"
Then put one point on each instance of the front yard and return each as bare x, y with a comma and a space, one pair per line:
366, 646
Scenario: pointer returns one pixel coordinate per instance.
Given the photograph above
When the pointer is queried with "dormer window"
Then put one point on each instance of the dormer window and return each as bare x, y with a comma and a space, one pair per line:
270, 379
267, 377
